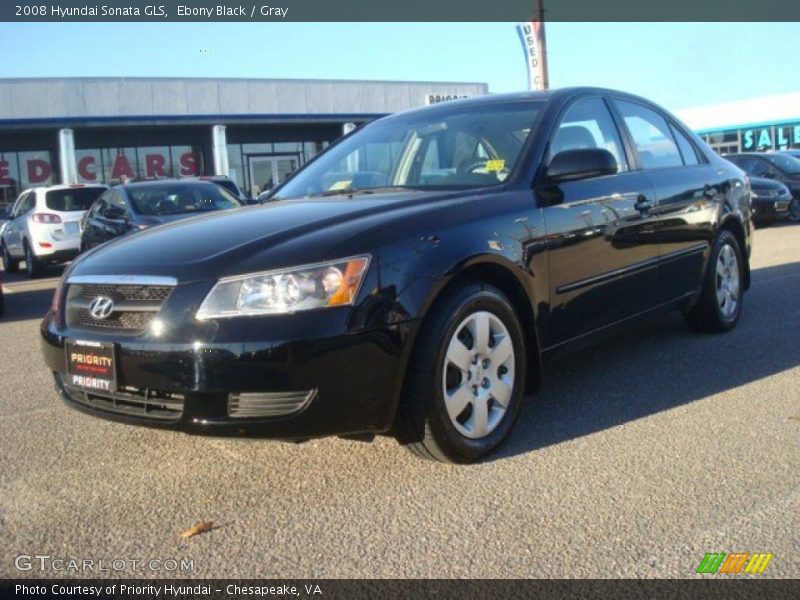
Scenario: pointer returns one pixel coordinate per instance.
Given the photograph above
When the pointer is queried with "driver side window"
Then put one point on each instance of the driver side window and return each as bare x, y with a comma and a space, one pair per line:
588, 124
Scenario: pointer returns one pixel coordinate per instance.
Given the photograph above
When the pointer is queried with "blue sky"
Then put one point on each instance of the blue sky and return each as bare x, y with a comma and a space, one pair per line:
676, 64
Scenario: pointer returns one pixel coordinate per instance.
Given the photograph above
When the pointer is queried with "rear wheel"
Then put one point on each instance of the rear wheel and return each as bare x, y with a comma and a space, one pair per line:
465, 382
11, 265
32, 264
720, 303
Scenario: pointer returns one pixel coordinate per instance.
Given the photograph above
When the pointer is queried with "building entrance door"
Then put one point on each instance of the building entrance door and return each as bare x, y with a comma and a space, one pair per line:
268, 171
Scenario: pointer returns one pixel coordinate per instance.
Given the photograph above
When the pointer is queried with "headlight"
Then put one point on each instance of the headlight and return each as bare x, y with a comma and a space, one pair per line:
285, 291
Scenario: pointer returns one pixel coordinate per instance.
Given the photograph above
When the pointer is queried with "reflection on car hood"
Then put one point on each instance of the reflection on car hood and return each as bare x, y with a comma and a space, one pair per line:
214, 245
760, 183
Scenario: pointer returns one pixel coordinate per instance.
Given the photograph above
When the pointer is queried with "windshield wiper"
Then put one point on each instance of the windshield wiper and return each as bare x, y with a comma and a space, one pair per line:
372, 190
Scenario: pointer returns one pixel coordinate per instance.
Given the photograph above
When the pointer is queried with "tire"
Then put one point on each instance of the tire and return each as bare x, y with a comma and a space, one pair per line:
794, 211
33, 266
11, 265
444, 365
720, 304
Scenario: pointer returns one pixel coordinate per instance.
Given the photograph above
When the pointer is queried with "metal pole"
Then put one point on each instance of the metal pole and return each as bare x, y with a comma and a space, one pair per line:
543, 44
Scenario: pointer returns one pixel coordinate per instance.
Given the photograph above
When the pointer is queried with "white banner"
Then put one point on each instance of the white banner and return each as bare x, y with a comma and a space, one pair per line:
530, 34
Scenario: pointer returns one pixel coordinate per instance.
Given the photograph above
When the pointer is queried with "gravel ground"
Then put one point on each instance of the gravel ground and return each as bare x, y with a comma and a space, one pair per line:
637, 457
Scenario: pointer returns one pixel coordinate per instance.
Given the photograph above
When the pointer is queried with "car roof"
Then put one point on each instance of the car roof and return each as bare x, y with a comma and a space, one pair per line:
67, 186
554, 94
169, 181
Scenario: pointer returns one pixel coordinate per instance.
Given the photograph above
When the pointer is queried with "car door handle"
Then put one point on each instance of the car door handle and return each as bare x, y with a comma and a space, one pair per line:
643, 204
709, 192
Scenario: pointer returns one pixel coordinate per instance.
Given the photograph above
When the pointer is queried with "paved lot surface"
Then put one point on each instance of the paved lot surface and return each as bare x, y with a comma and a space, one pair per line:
639, 456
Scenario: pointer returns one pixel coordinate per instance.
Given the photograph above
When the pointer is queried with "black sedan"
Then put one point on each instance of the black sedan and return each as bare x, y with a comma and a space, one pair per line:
413, 278
132, 207
779, 167
771, 200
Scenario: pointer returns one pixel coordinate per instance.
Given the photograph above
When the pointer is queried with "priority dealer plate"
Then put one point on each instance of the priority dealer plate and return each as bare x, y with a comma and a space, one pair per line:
91, 365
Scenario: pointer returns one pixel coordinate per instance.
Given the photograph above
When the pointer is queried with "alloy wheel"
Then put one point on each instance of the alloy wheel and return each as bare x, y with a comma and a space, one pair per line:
478, 375
727, 281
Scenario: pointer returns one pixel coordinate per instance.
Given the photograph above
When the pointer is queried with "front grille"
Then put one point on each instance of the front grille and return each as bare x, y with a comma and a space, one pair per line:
124, 320
156, 293
135, 306
132, 402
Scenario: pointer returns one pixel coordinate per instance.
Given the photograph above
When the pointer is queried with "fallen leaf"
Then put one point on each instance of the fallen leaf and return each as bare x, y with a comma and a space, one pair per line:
198, 528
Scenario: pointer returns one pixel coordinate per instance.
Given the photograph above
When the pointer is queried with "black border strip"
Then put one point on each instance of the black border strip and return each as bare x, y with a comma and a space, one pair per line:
405, 11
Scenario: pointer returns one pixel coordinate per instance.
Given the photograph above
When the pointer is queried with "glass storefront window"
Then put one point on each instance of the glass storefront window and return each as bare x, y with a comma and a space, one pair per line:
22, 170
36, 168
115, 165
235, 169
89, 164
9, 178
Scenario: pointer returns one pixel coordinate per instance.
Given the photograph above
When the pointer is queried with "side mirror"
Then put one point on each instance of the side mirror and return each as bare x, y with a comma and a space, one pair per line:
582, 163
113, 213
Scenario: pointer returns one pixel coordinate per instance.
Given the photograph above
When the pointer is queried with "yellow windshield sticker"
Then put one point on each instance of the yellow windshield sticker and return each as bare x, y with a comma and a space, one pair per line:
341, 185
497, 164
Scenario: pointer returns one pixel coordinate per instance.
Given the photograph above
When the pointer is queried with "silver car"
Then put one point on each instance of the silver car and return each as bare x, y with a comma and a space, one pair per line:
44, 226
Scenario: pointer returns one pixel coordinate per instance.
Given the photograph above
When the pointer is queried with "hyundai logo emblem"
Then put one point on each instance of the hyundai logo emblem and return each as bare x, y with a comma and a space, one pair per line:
101, 307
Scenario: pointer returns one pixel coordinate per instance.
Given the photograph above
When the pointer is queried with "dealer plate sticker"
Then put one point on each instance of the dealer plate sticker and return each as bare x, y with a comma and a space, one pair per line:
91, 365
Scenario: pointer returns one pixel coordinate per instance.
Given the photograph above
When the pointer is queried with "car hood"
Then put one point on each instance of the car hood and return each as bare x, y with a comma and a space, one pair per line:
224, 243
760, 183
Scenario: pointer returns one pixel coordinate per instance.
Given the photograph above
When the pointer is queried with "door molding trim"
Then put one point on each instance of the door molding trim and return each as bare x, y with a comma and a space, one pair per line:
630, 269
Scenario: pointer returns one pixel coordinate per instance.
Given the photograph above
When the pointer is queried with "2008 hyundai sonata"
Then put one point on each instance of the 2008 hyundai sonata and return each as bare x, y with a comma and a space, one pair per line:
412, 278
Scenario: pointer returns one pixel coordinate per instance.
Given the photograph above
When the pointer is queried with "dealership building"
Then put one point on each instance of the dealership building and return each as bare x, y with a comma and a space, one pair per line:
257, 131
754, 125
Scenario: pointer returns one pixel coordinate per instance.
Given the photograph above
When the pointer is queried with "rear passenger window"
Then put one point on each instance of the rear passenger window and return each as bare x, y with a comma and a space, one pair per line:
651, 135
688, 152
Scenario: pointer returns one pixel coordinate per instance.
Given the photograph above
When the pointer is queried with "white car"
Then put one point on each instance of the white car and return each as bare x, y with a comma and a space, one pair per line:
44, 226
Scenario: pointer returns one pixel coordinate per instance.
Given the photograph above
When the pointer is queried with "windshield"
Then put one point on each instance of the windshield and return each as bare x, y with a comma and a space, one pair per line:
461, 147
789, 164
72, 199
179, 198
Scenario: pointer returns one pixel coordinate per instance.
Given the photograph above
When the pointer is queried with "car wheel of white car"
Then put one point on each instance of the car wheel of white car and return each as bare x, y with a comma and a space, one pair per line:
11, 265
32, 265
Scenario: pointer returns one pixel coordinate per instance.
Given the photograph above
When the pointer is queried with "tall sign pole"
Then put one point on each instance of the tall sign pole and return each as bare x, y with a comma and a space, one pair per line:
534, 44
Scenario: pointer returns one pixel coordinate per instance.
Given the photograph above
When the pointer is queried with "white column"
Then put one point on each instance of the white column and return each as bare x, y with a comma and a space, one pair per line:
219, 148
66, 156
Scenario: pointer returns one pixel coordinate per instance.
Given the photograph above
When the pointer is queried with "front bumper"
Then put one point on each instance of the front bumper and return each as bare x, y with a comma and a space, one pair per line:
771, 209
351, 376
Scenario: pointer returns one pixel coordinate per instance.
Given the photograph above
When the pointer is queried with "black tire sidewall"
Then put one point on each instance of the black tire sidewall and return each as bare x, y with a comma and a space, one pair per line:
490, 300
726, 238
30, 263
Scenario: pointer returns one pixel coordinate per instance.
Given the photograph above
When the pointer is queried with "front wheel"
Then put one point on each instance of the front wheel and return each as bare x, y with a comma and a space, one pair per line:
794, 210
720, 303
466, 380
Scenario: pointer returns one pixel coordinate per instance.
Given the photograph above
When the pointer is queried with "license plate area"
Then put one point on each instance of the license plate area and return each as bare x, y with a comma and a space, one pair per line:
91, 366
72, 228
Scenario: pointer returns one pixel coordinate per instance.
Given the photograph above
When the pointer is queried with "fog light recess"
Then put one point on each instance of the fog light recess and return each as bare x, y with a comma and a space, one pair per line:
248, 405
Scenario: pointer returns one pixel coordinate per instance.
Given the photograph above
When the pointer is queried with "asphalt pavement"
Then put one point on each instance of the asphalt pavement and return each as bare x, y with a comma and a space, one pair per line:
638, 456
